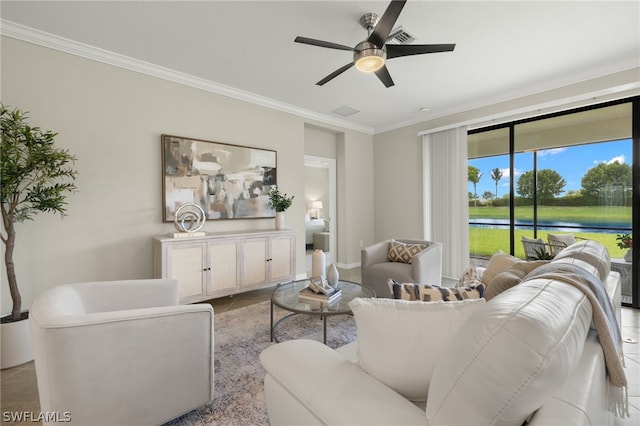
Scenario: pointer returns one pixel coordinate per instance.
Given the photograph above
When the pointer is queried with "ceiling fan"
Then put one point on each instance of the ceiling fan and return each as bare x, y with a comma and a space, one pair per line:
370, 55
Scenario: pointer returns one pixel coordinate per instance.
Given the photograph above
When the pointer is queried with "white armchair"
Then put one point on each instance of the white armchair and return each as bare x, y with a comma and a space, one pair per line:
425, 266
121, 352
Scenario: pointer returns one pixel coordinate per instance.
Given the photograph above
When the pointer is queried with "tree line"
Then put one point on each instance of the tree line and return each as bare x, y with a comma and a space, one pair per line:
608, 184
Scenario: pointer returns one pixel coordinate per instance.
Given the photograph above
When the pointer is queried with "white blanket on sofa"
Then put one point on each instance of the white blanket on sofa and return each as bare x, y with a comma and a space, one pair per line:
604, 320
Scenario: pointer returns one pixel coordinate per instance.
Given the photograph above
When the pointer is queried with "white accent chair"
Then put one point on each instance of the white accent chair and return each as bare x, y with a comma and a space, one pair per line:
121, 352
425, 267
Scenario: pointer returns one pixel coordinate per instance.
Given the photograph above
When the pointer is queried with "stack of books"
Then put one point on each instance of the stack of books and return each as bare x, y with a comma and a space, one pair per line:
309, 295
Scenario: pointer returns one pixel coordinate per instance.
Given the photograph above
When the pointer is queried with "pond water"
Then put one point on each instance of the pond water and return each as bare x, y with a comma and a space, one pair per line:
548, 225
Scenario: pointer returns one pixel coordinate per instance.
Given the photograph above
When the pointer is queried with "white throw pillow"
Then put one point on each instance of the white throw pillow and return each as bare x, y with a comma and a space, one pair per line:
400, 341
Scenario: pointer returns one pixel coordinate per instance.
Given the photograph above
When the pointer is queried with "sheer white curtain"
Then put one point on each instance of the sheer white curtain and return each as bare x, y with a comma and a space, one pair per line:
445, 195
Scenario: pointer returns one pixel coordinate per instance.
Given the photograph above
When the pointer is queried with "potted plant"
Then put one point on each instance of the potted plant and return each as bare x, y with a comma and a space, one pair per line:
625, 241
36, 177
279, 202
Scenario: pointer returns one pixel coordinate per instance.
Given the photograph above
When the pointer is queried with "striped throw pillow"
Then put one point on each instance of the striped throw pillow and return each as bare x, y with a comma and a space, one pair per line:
431, 293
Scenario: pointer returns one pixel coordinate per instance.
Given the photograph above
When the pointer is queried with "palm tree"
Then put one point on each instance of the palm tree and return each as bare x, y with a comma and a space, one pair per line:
496, 174
474, 176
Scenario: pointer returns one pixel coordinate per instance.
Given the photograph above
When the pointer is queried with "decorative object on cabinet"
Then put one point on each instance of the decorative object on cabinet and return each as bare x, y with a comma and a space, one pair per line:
227, 263
318, 264
227, 181
280, 203
189, 220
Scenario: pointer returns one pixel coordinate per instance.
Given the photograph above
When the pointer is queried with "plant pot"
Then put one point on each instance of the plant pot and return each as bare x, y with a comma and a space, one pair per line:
279, 220
628, 256
15, 343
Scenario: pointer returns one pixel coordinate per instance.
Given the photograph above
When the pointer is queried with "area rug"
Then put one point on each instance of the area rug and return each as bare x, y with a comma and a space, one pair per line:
240, 336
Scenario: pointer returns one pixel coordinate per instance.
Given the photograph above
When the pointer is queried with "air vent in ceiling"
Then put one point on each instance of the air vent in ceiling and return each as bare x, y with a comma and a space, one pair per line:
345, 111
401, 36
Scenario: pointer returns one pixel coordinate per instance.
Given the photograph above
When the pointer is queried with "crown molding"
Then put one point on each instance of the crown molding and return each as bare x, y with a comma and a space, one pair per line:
587, 97
51, 41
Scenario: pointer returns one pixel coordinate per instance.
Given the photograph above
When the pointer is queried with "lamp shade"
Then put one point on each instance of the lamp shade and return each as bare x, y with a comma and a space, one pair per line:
316, 205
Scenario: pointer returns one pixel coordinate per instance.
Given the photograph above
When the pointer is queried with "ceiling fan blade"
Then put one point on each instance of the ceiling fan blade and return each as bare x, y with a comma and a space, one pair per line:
396, 50
383, 28
321, 43
385, 77
334, 74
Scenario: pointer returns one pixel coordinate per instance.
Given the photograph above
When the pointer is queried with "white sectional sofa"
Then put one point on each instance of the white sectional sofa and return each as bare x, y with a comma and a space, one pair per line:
527, 356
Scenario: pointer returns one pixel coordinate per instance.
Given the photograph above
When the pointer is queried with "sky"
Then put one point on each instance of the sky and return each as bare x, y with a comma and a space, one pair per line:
571, 163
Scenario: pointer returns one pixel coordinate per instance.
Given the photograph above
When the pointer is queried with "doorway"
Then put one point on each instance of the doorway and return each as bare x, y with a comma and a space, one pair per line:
320, 199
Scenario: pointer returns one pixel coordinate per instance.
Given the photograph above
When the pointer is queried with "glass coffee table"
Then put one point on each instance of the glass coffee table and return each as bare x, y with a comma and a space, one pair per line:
285, 296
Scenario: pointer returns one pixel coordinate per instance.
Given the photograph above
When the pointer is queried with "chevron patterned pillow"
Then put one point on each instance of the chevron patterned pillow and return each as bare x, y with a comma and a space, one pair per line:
404, 252
432, 293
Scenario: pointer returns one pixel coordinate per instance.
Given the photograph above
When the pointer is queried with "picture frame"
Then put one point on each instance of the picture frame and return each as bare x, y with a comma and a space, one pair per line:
228, 181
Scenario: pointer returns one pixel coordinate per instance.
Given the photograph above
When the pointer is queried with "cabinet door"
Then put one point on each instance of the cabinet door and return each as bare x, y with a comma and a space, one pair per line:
223, 261
254, 262
187, 264
281, 263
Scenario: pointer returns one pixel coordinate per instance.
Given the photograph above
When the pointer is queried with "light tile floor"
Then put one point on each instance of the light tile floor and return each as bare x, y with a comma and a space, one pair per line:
19, 390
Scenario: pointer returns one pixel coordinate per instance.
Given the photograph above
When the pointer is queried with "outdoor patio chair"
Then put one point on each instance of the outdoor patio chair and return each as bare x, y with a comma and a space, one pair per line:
537, 249
557, 242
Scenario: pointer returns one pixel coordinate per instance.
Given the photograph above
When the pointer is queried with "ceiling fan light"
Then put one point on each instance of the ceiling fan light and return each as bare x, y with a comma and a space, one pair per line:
370, 63
368, 57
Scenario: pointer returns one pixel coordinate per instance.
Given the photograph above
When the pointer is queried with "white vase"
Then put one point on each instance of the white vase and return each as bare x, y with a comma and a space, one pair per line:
628, 256
279, 220
333, 276
15, 344
318, 263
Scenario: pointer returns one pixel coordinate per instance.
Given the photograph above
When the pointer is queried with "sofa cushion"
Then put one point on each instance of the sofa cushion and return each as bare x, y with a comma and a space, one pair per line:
504, 281
432, 293
399, 341
588, 254
501, 386
512, 276
404, 252
499, 262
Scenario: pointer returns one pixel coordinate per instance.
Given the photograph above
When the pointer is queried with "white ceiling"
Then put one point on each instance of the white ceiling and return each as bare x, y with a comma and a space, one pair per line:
504, 49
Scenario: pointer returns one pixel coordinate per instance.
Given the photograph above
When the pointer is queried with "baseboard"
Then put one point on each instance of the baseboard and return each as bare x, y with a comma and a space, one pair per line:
348, 265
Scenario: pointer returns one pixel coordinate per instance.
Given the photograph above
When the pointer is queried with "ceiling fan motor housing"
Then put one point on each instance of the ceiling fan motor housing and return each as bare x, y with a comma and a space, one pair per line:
368, 57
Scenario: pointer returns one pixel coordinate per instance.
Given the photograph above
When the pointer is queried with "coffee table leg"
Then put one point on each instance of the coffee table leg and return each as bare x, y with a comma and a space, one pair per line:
324, 326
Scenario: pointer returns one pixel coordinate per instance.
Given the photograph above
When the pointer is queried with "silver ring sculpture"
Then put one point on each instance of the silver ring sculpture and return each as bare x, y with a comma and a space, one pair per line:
189, 218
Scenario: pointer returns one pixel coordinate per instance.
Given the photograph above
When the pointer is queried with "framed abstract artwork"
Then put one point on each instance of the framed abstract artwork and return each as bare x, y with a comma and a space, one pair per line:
227, 181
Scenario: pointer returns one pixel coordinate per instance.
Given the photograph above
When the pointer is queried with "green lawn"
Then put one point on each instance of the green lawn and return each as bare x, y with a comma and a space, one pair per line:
573, 214
487, 241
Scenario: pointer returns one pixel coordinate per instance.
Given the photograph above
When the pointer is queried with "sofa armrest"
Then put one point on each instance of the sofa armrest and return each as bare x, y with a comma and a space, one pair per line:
310, 383
377, 253
127, 294
426, 266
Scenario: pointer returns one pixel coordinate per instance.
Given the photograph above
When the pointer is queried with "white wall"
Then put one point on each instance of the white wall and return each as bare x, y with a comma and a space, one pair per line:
112, 119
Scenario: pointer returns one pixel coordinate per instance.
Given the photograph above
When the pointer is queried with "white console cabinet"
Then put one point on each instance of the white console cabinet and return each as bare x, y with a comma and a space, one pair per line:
225, 263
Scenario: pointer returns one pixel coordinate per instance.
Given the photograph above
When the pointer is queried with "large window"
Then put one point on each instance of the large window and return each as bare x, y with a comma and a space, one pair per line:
570, 173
